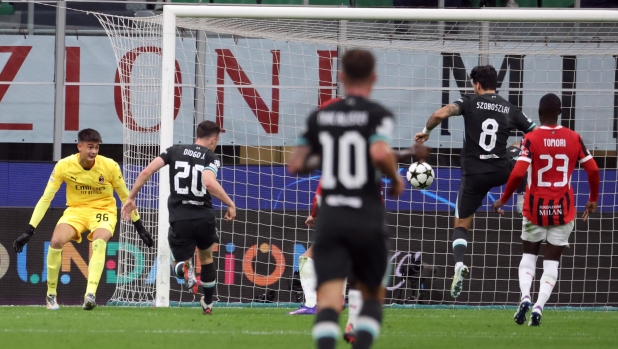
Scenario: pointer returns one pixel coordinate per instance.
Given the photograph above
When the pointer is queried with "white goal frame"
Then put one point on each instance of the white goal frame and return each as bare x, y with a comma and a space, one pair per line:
171, 12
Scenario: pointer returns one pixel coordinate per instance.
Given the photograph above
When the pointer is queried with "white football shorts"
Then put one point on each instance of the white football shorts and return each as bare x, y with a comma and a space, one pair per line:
557, 235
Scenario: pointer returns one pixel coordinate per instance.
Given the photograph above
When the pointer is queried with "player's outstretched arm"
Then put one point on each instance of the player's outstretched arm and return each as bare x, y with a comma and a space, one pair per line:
383, 158
128, 203
436, 119
417, 150
215, 189
302, 162
594, 177
55, 180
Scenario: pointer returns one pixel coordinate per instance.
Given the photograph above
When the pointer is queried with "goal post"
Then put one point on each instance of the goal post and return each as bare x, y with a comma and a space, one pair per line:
264, 68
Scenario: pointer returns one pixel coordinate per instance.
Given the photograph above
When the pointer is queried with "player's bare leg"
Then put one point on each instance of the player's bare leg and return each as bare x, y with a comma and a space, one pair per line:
527, 268
460, 245
308, 281
548, 281
100, 237
208, 278
370, 316
326, 328
62, 234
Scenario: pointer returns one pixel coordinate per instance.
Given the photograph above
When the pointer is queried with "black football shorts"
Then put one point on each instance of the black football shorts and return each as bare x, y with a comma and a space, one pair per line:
185, 235
473, 189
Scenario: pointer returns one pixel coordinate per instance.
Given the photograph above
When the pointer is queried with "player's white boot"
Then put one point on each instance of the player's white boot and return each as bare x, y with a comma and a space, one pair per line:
190, 279
461, 272
520, 314
535, 316
51, 302
89, 302
206, 308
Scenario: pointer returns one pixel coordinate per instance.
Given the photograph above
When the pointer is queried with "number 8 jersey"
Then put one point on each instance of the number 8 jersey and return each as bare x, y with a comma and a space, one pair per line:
489, 120
189, 198
342, 133
552, 153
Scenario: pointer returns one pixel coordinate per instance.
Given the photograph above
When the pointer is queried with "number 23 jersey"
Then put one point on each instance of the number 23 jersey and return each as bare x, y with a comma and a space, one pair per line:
189, 198
552, 153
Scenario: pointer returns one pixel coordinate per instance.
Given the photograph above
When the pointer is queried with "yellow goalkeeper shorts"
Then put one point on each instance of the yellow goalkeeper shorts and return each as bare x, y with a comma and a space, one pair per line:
89, 219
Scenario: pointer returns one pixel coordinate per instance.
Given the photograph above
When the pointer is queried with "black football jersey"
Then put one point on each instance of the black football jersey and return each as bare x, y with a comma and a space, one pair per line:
189, 199
489, 120
341, 134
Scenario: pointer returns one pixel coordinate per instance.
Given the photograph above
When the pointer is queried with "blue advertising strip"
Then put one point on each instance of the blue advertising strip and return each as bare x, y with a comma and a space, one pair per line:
272, 188
4, 183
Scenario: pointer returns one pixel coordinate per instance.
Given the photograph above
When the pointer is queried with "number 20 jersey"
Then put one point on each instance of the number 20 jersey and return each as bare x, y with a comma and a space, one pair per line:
552, 152
189, 199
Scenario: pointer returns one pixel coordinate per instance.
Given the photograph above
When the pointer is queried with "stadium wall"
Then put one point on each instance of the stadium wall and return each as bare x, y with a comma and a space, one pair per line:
425, 81
264, 242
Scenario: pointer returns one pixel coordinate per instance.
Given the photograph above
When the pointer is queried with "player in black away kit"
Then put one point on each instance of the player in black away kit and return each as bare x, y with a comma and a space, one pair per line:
193, 179
349, 139
485, 164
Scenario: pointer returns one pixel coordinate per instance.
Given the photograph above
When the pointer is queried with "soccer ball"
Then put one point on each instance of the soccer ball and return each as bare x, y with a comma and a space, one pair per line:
420, 175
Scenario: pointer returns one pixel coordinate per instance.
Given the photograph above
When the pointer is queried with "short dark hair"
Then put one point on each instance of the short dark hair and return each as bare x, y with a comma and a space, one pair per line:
486, 75
89, 135
550, 106
358, 65
207, 129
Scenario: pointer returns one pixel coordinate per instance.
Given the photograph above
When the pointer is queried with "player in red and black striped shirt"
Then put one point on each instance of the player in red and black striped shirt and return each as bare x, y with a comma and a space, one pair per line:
549, 204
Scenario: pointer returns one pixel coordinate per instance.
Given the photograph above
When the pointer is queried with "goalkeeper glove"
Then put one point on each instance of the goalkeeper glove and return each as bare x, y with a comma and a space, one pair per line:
143, 233
23, 239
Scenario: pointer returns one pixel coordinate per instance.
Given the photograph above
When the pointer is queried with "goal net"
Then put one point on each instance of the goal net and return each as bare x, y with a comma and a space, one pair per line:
259, 71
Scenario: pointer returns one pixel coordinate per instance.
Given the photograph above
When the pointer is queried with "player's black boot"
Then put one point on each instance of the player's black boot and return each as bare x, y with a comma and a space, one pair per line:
520, 314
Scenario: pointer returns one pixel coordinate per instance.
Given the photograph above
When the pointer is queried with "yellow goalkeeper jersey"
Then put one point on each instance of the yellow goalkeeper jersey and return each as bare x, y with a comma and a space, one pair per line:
93, 188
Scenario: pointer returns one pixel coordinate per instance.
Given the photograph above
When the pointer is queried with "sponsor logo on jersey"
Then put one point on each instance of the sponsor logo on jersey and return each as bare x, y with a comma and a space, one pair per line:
101, 179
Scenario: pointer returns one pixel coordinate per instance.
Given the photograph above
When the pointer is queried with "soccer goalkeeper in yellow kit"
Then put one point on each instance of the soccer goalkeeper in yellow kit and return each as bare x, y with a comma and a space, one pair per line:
91, 181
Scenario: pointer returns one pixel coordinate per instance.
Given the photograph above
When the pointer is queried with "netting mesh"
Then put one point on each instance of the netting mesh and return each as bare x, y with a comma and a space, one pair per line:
260, 78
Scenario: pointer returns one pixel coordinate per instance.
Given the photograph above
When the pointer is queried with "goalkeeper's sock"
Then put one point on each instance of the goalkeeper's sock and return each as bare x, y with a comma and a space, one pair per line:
326, 329
355, 303
368, 324
95, 268
308, 280
54, 260
548, 281
178, 270
460, 244
208, 277
526, 273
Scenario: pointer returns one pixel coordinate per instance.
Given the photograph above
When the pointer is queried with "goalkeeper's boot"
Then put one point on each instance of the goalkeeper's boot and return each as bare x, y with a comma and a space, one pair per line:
304, 310
520, 314
535, 316
190, 279
206, 308
460, 274
89, 302
349, 336
52, 303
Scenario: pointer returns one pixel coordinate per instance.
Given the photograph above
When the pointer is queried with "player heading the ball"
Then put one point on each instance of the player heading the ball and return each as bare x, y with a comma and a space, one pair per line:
549, 204
91, 180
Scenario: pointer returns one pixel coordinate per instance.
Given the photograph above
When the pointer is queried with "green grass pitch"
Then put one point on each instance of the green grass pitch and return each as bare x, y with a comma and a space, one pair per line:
271, 328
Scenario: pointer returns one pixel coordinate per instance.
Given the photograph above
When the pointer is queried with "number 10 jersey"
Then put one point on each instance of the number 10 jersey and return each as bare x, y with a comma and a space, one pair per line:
189, 198
342, 133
